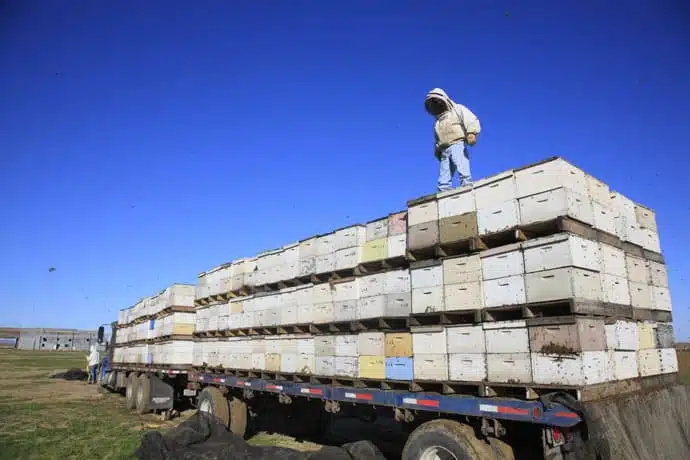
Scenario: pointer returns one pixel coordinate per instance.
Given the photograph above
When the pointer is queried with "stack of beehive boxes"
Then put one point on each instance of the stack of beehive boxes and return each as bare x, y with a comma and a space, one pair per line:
147, 321
562, 350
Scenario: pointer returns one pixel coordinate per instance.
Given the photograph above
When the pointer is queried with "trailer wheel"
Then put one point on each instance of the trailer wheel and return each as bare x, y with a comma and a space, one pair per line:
211, 401
446, 439
143, 394
238, 417
131, 391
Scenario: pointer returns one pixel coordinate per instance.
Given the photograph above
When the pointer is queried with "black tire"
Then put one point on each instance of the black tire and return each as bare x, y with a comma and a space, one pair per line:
131, 391
448, 437
502, 450
143, 394
211, 400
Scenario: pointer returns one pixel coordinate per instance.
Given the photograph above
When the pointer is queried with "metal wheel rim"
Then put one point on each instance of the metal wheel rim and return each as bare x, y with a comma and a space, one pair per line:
437, 453
205, 406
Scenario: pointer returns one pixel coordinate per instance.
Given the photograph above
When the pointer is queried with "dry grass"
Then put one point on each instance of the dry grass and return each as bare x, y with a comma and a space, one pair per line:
684, 366
44, 418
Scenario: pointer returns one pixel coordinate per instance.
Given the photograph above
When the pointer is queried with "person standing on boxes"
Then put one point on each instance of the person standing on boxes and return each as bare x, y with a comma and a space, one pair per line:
455, 128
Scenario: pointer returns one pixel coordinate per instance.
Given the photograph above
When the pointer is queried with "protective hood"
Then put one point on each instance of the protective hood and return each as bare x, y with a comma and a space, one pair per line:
438, 93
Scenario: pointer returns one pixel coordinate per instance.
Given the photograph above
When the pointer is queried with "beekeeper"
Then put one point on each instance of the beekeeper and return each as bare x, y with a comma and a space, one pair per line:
93, 358
455, 128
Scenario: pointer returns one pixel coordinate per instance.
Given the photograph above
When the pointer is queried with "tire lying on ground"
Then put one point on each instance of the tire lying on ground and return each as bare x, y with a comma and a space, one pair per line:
131, 391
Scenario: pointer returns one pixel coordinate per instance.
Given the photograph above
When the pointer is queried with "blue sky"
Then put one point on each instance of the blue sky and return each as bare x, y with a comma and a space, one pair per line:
143, 142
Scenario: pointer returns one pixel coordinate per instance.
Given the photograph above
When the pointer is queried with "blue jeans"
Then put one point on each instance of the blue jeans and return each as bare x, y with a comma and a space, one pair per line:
454, 158
92, 374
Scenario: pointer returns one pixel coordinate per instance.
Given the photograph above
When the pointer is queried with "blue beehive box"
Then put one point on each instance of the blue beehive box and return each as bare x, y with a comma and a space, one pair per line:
399, 368
152, 323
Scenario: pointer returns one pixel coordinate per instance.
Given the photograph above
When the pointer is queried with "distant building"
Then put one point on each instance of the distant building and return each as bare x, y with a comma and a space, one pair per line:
47, 339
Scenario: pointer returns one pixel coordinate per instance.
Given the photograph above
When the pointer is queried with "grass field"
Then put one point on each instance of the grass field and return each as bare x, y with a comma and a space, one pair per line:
43, 418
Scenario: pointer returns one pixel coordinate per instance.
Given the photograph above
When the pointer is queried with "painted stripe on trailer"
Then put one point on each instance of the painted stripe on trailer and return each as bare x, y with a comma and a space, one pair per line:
364, 396
274, 387
311, 391
488, 408
243, 383
566, 414
421, 402
512, 410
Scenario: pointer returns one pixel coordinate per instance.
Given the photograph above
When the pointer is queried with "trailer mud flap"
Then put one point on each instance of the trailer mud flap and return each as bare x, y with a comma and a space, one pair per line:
162, 395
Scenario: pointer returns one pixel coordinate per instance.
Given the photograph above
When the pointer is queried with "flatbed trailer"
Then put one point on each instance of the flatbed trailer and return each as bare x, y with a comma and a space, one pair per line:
464, 426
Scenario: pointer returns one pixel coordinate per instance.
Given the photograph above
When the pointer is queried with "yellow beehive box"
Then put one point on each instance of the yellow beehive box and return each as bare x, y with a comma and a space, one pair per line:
375, 250
183, 329
372, 367
398, 345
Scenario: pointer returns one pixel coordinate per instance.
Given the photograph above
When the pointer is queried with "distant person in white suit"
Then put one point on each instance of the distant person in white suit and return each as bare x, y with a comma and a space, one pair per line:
455, 128
94, 357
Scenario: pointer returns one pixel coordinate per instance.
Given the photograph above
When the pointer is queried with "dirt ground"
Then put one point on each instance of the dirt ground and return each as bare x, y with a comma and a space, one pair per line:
44, 418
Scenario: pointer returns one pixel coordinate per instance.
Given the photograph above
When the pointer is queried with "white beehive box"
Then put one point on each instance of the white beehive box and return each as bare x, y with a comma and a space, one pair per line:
345, 290
325, 365
598, 190
668, 359
604, 218
324, 263
288, 363
372, 285
658, 275
397, 245
641, 295
180, 295
306, 363
498, 217
561, 250
661, 298
428, 340
504, 291
346, 258
502, 262
307, 248
397, 281
467, 367
649, 361
422, 213
371, 307
462, 269
323, 313
586, 368
509, 368
613, 261
465, 340
622, 335
376, 229
349, 237
615, 289
506, 337
258, 361
427, 275
346, 366
345, 310
549, 175
456, 202
346, 345
625, 365
463, 296
555, 203
563, 283
398, 305
495, 190
432, 367
427, 299
371, 344
324, 345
